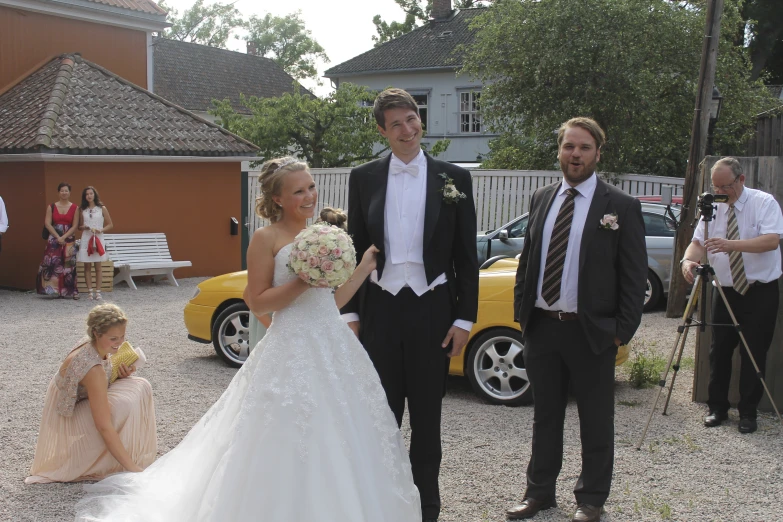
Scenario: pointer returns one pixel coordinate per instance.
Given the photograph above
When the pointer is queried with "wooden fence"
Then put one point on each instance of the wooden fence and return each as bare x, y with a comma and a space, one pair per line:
500, 195
768, 138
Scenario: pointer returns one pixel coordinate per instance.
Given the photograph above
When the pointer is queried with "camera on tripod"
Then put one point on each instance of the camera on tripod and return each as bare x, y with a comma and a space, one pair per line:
706, 204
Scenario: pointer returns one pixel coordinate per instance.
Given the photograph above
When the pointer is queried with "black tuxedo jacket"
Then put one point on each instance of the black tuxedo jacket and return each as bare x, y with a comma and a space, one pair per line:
449, 229
612, 266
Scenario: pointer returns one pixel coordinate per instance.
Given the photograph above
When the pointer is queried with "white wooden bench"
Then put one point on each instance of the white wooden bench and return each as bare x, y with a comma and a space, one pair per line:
141, 254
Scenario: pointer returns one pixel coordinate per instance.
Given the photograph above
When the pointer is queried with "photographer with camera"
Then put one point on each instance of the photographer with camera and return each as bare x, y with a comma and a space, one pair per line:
743, 248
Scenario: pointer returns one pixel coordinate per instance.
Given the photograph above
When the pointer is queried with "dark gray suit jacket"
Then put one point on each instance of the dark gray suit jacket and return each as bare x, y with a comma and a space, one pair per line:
612, 266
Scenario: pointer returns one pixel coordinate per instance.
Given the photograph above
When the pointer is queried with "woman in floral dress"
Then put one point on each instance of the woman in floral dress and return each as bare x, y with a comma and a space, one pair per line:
57, 273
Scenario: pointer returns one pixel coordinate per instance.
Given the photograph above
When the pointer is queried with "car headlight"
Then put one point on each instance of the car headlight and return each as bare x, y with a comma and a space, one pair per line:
195, 294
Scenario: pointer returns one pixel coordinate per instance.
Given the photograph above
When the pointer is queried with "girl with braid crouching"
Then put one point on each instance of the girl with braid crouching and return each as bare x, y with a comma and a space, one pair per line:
89, 427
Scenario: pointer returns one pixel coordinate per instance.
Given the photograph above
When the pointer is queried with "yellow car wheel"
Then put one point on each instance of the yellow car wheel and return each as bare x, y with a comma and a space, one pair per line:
496, 368
231, 334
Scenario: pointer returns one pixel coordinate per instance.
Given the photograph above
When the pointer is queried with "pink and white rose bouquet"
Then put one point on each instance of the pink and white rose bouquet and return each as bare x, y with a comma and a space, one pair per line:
323, 256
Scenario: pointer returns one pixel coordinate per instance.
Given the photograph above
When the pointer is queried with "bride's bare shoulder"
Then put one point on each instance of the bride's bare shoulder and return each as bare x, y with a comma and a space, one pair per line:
268, 241
263, 242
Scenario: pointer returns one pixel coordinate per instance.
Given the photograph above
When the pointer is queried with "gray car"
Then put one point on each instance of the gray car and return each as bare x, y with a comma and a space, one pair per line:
659, 229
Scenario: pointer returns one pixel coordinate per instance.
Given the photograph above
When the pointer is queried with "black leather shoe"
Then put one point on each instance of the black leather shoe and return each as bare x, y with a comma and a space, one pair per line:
715, 418
528, 508
587, 513
747, 425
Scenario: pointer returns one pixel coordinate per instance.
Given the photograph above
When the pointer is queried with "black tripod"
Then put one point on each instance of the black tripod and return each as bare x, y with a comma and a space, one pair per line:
704, 276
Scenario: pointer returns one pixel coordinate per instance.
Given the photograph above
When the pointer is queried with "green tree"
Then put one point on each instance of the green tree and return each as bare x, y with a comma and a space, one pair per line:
415, 11
763, 28
203, 24
286, 41
632, 65
336, 131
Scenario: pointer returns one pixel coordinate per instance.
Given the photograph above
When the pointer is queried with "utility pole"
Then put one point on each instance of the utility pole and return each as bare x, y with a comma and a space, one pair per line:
701, 118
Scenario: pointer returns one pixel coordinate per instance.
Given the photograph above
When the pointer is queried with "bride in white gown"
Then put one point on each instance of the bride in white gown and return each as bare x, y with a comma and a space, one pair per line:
303, 432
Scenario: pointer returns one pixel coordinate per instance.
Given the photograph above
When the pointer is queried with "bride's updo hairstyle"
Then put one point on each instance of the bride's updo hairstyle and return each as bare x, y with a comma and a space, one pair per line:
271, 181
102, 318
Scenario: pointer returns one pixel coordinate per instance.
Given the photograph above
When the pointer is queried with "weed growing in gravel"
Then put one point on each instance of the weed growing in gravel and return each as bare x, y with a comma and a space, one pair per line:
651, 504
629, 403
691, 444
646, 367
687, 363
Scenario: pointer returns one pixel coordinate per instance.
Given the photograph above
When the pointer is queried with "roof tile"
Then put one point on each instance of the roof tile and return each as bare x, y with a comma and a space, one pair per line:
71, 105
192, 75
432, 45
144, 6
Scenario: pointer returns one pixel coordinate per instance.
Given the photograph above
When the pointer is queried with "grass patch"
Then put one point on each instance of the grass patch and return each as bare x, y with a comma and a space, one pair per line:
646, 367
652, 505
687, 363
630, 404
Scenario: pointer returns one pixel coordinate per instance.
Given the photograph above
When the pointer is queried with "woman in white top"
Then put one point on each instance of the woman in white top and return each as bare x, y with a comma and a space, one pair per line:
95, 220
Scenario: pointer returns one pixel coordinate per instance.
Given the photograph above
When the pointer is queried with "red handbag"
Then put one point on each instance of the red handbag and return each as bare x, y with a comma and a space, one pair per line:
95, 245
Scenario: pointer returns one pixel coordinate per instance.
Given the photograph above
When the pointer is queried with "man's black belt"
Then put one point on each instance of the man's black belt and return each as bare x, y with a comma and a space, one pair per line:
560, 316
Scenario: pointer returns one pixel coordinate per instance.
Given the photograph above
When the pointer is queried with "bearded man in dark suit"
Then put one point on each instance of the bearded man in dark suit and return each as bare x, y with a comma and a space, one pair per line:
578, 296
421, 302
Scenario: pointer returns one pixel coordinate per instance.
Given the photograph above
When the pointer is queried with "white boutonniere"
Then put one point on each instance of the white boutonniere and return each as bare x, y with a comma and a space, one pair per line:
450, 192
609, 222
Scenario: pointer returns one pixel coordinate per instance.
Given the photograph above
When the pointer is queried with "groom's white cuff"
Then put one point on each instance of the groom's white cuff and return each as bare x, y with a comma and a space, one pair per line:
465, 325
349, 318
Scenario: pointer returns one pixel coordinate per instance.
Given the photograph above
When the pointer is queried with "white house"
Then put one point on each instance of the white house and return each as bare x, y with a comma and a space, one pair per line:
425, 62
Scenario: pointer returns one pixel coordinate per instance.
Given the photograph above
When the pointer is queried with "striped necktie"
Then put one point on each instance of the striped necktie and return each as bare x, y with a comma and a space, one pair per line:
735, 258
558, 245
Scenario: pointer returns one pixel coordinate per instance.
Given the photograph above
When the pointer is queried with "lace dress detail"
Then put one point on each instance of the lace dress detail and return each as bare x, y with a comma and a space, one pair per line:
69, 390
303, 426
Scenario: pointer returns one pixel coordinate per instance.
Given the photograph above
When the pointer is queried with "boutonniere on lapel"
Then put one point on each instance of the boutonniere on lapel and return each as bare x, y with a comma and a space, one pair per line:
450, 192
609, 222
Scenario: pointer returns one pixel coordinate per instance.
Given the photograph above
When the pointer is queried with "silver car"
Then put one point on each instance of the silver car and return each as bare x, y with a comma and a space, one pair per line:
659, 229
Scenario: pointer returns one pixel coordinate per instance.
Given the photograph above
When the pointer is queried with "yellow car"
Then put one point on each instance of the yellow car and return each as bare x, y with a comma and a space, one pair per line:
492, 360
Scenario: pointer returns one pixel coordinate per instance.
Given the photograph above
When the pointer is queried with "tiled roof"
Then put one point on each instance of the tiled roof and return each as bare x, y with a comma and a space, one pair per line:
73, 106
192, 75
429, 46
144, 6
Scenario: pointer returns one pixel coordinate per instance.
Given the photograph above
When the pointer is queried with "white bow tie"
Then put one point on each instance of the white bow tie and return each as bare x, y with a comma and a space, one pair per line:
413, 170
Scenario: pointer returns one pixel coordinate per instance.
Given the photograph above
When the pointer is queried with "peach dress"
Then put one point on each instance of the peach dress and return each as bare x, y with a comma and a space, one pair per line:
70, 448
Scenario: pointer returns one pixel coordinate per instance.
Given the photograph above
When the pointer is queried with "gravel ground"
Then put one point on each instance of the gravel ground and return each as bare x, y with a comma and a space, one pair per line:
683, 471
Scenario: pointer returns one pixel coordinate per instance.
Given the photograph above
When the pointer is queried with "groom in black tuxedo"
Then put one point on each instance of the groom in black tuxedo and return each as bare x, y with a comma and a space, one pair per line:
579, 295
417, 309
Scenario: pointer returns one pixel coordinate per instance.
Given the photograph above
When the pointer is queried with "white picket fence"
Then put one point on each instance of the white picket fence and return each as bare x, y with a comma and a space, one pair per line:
500, 195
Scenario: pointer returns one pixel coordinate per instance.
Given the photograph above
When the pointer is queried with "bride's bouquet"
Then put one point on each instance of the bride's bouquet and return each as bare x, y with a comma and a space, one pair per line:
323, 256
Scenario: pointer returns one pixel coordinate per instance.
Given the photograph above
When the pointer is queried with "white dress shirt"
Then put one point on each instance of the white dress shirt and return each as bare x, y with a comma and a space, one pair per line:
3, 218
569, 286
757, 214
403, 240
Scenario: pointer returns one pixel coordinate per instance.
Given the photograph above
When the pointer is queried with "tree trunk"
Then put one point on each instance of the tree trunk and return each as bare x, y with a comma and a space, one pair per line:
701, 118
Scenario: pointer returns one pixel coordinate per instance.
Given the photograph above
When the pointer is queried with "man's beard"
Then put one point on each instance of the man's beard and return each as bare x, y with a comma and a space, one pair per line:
576, 179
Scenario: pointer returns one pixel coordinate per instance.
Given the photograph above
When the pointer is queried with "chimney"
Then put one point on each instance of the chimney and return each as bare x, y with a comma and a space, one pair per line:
441, 9
252, 49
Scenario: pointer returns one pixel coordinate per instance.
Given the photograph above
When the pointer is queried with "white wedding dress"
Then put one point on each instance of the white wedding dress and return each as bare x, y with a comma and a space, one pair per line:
303, 432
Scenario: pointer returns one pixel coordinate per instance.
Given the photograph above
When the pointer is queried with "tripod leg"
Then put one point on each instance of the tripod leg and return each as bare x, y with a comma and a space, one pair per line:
747, 349
676, 366
686, 321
